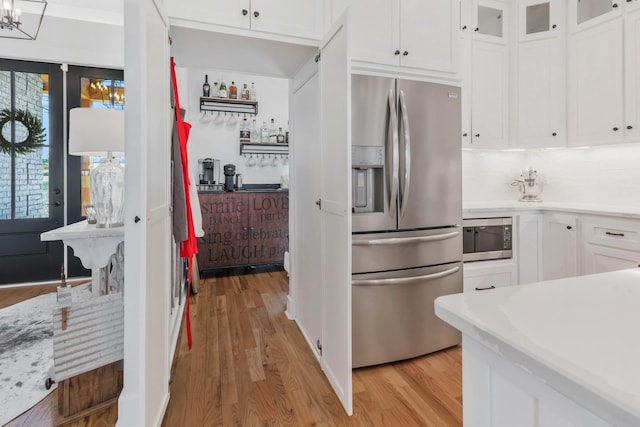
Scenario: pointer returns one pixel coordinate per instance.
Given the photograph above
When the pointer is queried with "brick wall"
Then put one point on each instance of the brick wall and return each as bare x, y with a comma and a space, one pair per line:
31, 184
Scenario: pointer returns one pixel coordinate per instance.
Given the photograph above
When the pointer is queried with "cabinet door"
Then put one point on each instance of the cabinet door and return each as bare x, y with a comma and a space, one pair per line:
375, 36
595, 86
268, 227
559, 246
600, 259
226, 235
529, 248
541, 99
584, 14
490, 21
632, 74
230, 13
539, 19
489, 99
297, 18
429, 34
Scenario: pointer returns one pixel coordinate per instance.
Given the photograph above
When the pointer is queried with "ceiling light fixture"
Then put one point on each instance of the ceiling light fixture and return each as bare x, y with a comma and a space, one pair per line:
21, 19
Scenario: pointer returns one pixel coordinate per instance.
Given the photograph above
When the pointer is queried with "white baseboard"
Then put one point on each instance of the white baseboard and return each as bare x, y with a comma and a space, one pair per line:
290, 311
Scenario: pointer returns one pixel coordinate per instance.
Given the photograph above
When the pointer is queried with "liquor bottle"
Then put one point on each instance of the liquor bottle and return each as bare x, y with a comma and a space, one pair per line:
223, 89
264, 132
253, 95
216, 90
244, 93
280, 136
206, 88
245, 133
273, 132
233, 91
255, 132
286, 134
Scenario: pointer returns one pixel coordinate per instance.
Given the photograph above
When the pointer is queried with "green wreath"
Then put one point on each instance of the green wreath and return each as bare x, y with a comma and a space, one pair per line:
35, 132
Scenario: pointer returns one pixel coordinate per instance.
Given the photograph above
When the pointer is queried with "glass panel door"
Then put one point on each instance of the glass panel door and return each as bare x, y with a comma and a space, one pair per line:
591, 9
31, 190
490, 21
538, 17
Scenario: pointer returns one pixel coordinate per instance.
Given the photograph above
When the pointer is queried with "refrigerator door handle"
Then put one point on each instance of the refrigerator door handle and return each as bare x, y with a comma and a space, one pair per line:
393, 149
405, 240
405, 280
407, 154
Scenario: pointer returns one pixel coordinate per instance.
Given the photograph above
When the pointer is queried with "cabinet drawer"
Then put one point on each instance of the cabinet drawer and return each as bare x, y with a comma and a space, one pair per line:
483, 275
612, 232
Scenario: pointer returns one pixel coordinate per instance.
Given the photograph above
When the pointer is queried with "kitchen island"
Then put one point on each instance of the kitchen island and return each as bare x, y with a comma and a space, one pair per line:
557, 353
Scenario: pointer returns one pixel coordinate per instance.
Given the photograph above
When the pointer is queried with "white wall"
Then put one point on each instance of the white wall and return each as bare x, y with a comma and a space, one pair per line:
607, 175
221, 141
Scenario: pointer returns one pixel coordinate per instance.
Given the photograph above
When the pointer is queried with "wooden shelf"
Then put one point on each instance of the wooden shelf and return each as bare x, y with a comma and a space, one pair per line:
228, 105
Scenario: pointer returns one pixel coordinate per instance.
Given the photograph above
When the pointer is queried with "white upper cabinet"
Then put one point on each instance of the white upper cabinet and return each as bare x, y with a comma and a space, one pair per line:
485, 74
294, 18
541, 74
409, 33
604, 69
588, 13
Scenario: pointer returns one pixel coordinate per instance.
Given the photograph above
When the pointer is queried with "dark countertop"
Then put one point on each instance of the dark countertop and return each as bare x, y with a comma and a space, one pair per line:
247, 188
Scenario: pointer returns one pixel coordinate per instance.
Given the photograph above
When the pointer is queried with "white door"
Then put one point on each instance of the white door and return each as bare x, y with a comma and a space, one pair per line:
306, 273
632, 75
541, 100
374, 34
230, 13
147, 219
596, 85
559, 246
335, 195
489, 100
429, 34
298, 18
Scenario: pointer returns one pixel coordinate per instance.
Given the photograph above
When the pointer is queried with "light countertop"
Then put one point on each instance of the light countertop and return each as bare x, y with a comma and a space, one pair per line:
580, 335
579, 208
81, 230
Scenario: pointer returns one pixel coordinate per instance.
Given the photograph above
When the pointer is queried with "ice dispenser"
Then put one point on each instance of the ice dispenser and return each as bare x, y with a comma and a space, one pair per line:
367, 174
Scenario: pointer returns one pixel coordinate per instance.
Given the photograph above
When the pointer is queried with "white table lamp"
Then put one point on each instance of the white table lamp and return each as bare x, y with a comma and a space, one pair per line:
100, 132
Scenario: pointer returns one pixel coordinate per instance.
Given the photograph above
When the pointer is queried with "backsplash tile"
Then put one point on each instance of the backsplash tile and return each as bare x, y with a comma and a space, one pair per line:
607, 175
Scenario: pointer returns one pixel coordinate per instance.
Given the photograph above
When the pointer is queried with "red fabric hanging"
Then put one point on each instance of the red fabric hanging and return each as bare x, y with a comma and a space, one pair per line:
188, 248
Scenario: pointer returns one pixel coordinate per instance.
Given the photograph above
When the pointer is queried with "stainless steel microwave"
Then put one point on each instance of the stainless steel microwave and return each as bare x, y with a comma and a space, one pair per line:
487, 238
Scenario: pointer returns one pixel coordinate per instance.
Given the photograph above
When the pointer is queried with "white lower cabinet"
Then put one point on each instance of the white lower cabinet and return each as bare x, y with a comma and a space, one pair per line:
601, 259
487, 275
559, 246
528, 247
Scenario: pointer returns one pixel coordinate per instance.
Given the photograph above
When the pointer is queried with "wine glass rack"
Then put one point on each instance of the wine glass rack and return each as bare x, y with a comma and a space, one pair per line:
263, 148
225, 105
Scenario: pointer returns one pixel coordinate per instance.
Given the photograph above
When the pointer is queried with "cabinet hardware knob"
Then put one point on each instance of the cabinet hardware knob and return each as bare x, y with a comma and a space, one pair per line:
614, 5
485, 289
477, 29
464, 27
464, 134
569, 227
554, 134
251, 228
554, 26
405, 53
397, 52
629, 127
615, 129
136, 219
244, 12
477, 135
256, 13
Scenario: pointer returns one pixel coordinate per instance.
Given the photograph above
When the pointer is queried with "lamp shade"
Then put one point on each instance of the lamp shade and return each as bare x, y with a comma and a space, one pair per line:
96, 131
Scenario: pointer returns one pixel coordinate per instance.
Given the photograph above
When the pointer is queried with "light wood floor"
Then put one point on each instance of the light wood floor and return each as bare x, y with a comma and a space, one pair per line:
250, 366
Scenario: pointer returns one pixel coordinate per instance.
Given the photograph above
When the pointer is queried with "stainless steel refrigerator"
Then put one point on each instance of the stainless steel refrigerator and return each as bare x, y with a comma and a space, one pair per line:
407, 215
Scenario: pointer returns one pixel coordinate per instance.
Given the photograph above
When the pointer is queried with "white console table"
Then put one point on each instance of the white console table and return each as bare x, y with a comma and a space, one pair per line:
94, 246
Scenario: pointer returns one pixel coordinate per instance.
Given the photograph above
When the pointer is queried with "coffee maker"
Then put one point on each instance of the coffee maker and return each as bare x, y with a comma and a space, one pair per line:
229, 175
209, 171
